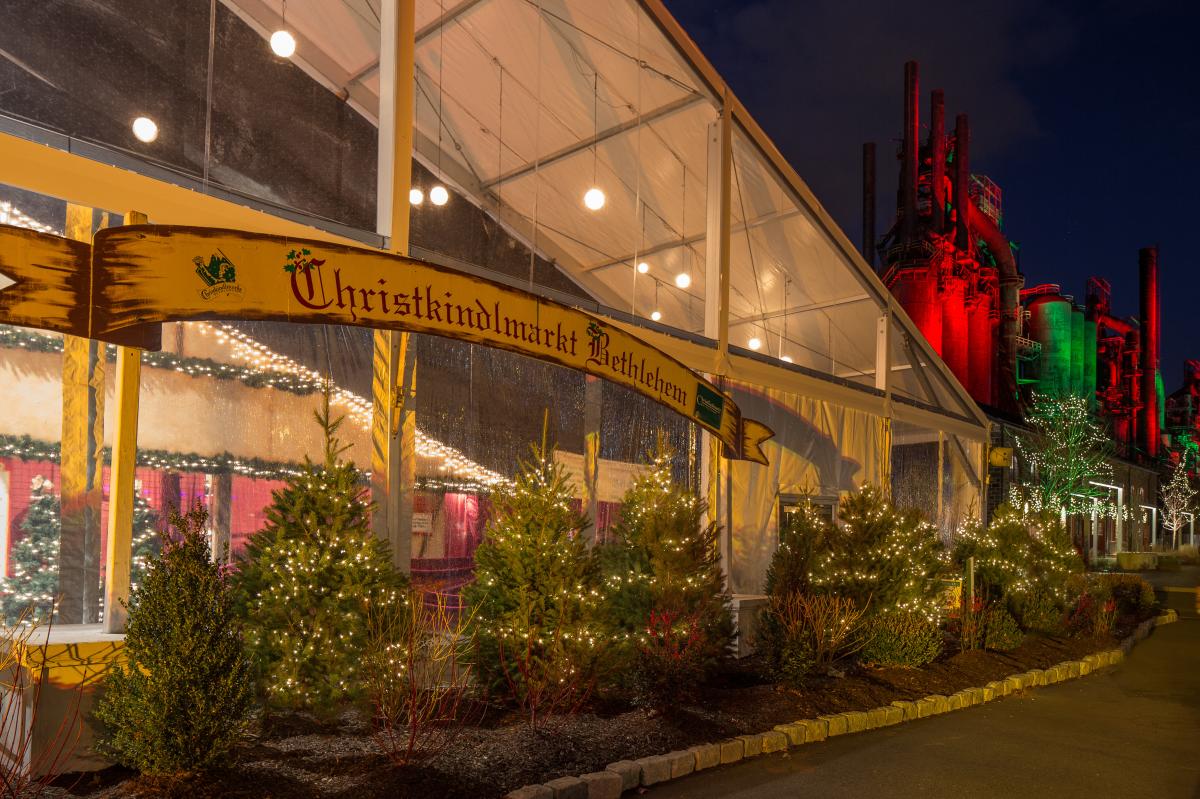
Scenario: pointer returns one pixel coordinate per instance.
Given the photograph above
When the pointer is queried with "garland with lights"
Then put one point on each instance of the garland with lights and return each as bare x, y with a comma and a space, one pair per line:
268, 369
32, 341
305, 581
30, 449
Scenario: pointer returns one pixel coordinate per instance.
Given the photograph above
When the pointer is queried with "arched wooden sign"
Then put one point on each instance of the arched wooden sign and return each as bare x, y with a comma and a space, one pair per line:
136, 277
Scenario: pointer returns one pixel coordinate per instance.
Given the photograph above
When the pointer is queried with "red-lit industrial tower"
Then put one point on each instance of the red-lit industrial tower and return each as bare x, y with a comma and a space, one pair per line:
954, 272
946, 259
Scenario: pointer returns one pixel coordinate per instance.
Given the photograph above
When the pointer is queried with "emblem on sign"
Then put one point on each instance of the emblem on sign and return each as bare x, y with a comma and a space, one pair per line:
219, 275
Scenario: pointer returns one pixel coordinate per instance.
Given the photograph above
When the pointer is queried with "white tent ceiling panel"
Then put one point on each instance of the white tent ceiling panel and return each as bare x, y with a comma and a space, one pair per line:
532, 101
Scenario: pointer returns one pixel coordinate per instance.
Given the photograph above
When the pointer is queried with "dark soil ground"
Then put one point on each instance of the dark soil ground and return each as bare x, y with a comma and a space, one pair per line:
294, 757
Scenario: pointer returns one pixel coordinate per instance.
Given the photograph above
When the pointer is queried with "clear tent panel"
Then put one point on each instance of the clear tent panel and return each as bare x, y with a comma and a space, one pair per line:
226, 111
938, 474
526, 107
791, 294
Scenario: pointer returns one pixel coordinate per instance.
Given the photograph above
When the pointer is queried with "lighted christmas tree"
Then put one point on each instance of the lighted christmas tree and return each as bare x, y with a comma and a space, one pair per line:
881, 557
533, 598
33, 560
146, 541
665, 564
305, 580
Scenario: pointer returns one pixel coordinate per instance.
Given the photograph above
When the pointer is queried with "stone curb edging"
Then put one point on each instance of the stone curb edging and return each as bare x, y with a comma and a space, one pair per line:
626, 775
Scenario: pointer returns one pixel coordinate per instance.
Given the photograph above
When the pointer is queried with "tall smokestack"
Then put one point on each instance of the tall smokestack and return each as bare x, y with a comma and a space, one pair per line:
908, 163
868, 208
1148, 271
962, 179
937, 160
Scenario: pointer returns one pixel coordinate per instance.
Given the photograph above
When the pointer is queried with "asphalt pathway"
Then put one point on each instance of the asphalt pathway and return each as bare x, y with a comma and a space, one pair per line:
1132, 730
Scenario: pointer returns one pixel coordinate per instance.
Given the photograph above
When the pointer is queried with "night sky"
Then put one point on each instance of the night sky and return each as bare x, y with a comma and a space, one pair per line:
1087, 114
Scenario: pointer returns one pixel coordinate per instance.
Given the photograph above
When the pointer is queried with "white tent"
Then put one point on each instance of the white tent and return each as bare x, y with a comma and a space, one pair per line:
523, 105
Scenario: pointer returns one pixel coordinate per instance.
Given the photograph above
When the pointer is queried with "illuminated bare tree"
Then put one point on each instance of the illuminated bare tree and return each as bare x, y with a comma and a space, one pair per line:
1068, 451
1177, 496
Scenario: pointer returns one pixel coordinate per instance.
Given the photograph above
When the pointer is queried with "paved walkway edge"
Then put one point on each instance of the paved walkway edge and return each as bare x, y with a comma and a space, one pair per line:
626, 775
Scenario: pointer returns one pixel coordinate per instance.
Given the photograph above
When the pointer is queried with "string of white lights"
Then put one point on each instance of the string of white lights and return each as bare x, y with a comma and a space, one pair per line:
359, 409
12, 215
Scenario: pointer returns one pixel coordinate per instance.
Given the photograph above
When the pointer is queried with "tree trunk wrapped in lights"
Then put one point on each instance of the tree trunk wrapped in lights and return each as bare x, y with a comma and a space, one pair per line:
1068, 452
305, 580
1177, 496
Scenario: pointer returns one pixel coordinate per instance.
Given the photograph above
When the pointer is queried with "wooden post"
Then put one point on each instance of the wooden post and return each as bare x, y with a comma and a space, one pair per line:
592, 403
82, 461
393, 428
119, 547
969, 587
220, 517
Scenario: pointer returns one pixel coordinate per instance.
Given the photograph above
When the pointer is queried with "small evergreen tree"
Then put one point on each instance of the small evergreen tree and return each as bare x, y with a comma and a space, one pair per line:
33, 560
534, 594
305, 579
183, 698
802, 539
665, 563
146, 541
882, 558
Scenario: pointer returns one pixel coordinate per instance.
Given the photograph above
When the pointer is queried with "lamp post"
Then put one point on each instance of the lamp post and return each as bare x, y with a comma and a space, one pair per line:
1120, 511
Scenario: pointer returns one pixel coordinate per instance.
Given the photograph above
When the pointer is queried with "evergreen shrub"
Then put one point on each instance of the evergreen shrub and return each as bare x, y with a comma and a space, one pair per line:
878, 560
902, 638
184, 697
1002, 634
801, 540
1037, 610
1133, 595
882, 558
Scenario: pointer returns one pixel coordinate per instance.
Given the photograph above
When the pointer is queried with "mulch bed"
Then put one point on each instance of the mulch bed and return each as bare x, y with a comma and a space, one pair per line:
296, 757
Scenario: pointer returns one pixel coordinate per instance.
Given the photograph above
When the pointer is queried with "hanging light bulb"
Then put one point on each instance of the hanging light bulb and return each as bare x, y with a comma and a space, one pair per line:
438, 195
145, 129
683, 280
283, 44
643, 267
655, 315
754, 343
594, 198
416, 196
785, 358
